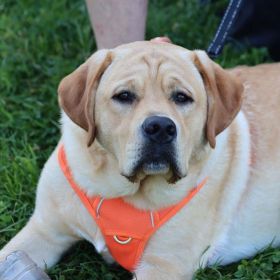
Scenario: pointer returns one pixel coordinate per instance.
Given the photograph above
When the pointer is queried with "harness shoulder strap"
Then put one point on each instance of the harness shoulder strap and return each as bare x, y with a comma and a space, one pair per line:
166, 214
89, 203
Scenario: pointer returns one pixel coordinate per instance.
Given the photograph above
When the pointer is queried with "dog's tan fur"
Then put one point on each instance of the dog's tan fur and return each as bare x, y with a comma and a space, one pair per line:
236, 214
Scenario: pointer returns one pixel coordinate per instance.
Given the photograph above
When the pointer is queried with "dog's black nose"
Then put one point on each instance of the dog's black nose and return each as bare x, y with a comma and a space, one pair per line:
159, 129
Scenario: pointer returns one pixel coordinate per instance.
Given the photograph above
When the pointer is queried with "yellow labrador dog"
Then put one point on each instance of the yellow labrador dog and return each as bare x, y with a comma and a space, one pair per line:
147, 122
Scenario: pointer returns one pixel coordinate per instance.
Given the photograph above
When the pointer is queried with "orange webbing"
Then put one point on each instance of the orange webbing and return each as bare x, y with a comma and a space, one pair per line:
68, 174
126, 229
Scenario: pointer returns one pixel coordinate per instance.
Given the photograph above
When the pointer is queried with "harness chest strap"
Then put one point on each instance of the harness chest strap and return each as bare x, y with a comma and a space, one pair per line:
126, 229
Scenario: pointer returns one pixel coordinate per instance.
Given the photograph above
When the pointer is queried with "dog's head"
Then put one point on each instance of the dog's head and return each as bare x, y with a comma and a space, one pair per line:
153, 106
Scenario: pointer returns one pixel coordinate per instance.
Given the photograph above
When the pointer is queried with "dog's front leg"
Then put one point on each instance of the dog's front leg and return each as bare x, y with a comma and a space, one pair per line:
43, 241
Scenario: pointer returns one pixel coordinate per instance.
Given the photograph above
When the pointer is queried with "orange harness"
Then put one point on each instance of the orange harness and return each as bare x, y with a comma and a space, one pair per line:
126, 229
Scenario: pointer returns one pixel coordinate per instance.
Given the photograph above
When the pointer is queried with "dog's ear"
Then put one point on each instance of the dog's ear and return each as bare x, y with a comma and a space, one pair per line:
224, 95
77, 90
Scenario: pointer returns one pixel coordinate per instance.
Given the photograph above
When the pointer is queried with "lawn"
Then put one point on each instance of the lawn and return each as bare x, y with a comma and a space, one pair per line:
41, 42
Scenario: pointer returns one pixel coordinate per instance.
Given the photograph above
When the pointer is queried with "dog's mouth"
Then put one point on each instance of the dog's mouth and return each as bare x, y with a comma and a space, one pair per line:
156, 166
157, 160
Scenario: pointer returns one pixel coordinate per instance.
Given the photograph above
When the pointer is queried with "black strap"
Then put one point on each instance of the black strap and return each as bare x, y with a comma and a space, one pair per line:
217, 45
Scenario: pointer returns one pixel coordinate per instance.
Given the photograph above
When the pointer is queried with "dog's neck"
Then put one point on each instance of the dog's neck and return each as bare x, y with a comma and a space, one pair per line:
96, 171
155, 192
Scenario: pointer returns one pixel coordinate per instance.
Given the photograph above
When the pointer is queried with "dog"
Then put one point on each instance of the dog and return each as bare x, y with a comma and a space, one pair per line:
156, 127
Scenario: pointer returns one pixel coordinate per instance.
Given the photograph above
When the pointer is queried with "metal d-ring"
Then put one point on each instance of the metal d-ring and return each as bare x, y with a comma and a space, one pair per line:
122, 242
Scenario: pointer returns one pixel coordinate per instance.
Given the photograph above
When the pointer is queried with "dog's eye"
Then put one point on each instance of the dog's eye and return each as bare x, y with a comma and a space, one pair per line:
181, 98
125, 97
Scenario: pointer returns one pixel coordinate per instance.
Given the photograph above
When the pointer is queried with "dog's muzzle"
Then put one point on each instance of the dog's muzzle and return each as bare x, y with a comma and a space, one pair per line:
158, 154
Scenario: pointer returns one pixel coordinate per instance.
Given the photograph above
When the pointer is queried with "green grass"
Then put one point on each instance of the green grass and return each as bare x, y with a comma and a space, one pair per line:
42, 41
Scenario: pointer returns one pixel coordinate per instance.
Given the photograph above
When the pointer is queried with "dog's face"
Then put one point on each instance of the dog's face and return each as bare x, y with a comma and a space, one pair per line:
150, 111
153, 106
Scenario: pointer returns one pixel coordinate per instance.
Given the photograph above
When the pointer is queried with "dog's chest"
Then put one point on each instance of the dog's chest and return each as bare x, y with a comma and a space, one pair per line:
101, 247
89, 231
